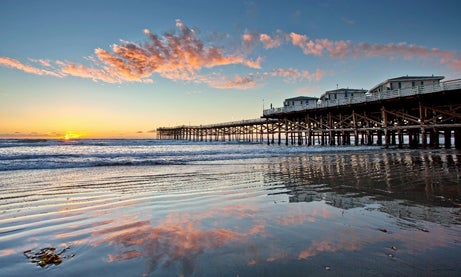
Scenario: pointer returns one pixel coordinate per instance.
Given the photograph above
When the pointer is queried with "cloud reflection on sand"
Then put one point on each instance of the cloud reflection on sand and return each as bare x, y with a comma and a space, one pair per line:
164, 245
180, 238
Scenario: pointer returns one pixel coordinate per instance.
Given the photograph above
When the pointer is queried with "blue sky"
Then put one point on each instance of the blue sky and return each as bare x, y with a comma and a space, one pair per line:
92, 68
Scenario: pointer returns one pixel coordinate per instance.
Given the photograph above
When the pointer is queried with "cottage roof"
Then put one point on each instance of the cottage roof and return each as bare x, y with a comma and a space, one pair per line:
301, 98
344, 90
341, 90
416, 78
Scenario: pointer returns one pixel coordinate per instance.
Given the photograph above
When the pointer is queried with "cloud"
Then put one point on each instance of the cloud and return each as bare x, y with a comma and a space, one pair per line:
9, 62
174, 56
296, 75
250, 40
345, 49
79, 70
348, 20
42, 62
271, 42
253, 79
309, 91
237, 82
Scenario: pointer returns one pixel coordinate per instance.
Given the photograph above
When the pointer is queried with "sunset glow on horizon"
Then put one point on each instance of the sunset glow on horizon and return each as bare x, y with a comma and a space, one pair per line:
92, 69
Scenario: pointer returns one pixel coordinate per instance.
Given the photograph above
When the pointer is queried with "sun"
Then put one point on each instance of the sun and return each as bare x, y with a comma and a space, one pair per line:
71, 135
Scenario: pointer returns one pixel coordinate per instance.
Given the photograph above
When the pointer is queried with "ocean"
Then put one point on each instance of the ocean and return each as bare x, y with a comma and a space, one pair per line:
178, 208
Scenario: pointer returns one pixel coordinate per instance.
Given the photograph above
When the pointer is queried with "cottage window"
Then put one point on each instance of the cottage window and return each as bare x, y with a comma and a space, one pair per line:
413, 84
400, 85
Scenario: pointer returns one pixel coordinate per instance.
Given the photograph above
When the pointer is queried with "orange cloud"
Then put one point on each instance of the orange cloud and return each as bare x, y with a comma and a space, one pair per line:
176, 57
82, 71
8, 62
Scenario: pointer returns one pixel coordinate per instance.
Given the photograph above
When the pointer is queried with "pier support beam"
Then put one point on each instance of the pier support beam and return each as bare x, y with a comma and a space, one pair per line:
447, 138
458, 138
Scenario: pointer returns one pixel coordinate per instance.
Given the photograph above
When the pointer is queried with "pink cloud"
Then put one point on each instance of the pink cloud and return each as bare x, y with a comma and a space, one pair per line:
311, 91
297, 39
42, 62
249, 41
238, 82
254, 64
344, 49
253, 79
271, 42
8, 62
82, 71
295, 75
328, 246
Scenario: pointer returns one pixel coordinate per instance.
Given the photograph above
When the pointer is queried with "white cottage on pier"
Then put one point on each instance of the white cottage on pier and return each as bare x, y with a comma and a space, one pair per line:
406, 82
342, 93
301, 101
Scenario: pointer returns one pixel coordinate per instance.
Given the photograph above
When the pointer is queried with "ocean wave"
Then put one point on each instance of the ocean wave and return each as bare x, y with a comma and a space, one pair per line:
52, 154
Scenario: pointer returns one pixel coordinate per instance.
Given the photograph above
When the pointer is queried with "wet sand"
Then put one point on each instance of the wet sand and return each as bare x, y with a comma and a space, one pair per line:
291, 213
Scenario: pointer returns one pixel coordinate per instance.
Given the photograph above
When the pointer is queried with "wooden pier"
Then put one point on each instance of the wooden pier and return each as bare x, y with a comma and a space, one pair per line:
417, 117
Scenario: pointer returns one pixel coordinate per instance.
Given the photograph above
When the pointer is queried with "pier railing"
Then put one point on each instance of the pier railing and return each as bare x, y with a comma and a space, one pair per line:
245, 122
369, 97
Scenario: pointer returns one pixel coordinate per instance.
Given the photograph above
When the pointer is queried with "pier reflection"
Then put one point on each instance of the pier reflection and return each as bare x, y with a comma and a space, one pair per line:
405, 183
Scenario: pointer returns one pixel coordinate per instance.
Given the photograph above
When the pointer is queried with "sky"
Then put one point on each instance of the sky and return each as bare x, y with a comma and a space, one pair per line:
121, 69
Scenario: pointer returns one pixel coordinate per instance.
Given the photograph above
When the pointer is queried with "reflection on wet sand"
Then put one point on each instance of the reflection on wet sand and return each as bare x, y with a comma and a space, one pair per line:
168, 244
406, 184
179, 238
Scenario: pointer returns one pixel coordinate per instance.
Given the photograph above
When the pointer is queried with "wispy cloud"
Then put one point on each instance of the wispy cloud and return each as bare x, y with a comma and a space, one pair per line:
348, 20
344, 49
296, 75
252, 80
237, 82
13, 63
42, 62
316, 90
